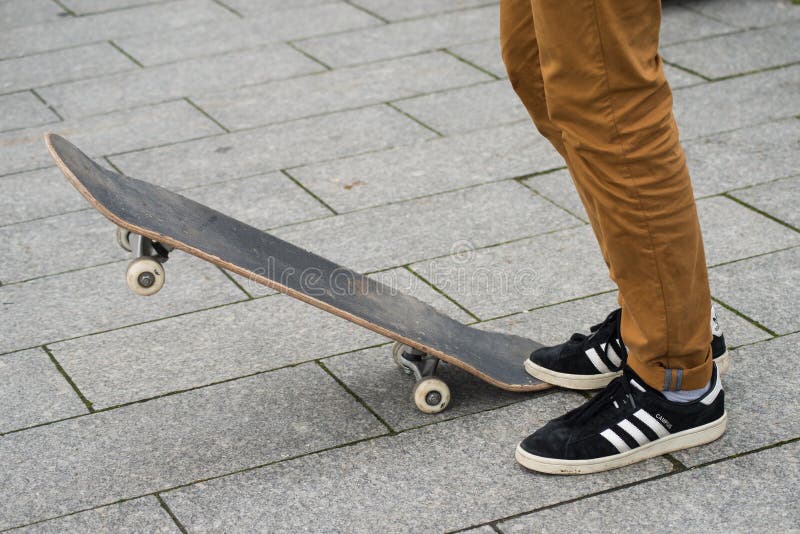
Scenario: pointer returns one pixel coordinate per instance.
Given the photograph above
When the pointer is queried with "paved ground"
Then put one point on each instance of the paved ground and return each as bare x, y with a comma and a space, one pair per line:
381, 134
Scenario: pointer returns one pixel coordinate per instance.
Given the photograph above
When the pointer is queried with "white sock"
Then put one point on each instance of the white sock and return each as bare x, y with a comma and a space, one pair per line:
686, 395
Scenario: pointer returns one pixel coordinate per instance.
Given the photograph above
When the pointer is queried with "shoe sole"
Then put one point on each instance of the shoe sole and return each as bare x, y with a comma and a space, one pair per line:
692, 437
599, 381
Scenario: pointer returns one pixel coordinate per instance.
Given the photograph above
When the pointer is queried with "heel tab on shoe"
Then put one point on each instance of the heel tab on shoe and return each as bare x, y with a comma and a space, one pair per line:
714, 390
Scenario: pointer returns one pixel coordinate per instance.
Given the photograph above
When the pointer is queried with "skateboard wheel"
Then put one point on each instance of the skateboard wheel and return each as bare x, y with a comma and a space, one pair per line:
124, 238
431, 395
145, 276
397, 351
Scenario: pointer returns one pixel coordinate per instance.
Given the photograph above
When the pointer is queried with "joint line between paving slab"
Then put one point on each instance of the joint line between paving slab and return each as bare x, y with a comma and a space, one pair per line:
760, 212
207, 115
367, 11
413, 118
745, 317
69, 380
170, 513
471, 64
293, 45
759, 255
35, 93
316, 197
230, 277
442, 293
521, 181
226, 7
67, 10
125, 53
690, 71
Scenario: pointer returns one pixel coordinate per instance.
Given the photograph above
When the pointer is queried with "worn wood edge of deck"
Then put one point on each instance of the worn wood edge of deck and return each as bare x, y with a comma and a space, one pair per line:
76, 182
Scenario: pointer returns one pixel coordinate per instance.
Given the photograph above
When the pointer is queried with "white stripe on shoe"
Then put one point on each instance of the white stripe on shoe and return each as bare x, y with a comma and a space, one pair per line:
597, 362
615, 440
652, 422
708, 399
633, 432
612, 355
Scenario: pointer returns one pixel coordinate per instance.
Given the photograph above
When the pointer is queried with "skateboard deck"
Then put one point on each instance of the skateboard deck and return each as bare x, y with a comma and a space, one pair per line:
169, 221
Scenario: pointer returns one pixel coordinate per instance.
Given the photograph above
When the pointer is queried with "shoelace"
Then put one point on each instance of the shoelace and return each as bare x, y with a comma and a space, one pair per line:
619, 391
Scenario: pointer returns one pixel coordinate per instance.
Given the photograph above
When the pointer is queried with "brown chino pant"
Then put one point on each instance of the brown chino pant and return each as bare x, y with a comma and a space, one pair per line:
589, 74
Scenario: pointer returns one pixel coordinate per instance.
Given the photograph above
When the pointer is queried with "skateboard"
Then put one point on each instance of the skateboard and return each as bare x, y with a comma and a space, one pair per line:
152, 222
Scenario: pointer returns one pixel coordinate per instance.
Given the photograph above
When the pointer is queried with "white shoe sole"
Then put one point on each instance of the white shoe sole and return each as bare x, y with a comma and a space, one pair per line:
682, 440
599, 381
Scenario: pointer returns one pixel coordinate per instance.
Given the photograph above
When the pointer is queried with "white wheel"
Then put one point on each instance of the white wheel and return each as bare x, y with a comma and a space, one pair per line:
124, 238
397, 351
145, 276
431, 395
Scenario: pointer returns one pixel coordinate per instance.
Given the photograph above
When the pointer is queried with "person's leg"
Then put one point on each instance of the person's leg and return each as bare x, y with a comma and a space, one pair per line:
606, 92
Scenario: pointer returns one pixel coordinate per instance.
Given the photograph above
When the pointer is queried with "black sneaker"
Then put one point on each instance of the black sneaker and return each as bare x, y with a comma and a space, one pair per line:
625, 423
592, 361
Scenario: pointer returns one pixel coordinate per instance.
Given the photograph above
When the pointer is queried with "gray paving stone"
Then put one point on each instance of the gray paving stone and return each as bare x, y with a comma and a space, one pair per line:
201, 348
87, 7
403, 280
255, 8
129, 517
93, 300
57, 244
416, 8
780, 199
338, 90
749, 156
746, 13
183, 79
21, 110
363, 484
725, 497
763, 288
72, 31
393, 235
678, 78
485, 54
681, 24
273, 147
139, 128
404, 38
558, 187
727, 55
373, 376
33, 391
732, 231
737, 102
521, 275
737, 330
429, 167
759, 399
175, 440
14, 14
61, 66
263, 201
213, 37
468, 108
30, 195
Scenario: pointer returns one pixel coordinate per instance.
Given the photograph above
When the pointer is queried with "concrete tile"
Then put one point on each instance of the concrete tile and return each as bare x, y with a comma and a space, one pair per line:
263, 201
749, 156
737, 330
558, 188
416, 8
763, 288
393, 235
456, 111
362, 485
16, 14
139, 128
485, 54
747, 14
737, 102
61, 66
129, 517
93, 300
338, 90
87, 7
780, 199
678, 78
57, 244
404, 38
72, 31
256, 8
42, 193
521, 275
758, 398
201, 348
33, 391
727, 55
429, 167
681, 24
373, 376
175, 440
728, 496
273, 147
21, 110
214, 36
403, 280
177, 80
732, 231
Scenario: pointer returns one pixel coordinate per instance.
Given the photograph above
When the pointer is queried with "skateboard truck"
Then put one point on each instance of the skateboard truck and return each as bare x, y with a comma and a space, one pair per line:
430, 394
145, 275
